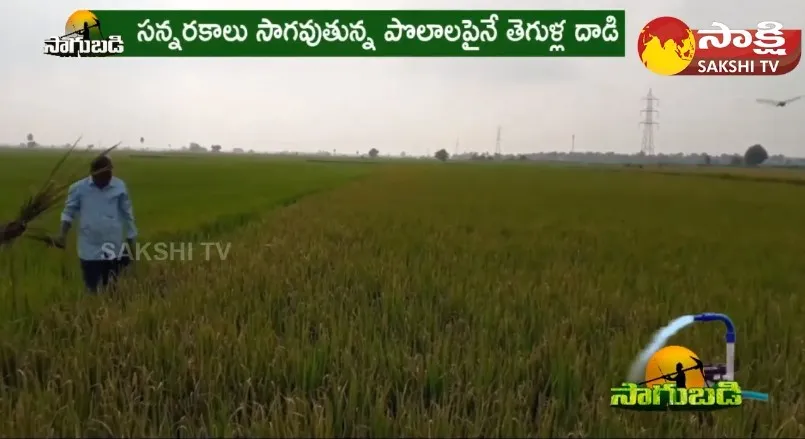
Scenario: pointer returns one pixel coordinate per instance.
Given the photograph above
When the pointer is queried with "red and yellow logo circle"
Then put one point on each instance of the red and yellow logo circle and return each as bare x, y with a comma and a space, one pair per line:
676, 365
666, 46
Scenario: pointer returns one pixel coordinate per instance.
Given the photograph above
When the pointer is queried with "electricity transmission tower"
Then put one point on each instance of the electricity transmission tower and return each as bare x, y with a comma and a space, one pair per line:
498, 150
649, 114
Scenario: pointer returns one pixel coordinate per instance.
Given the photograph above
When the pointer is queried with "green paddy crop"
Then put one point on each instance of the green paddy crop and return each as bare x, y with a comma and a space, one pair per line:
406, 300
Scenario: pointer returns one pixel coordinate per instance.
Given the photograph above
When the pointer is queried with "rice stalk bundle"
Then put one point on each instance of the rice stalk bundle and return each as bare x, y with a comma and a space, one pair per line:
48, 195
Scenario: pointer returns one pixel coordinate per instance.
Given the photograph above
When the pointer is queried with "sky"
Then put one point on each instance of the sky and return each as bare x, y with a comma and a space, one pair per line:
411, 105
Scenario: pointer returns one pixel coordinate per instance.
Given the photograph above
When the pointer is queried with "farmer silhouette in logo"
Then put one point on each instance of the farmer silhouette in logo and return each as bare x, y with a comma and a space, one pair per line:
85, 32
678, 377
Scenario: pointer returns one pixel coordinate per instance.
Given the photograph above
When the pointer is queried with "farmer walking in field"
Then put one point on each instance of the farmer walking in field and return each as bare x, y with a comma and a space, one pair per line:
103, 208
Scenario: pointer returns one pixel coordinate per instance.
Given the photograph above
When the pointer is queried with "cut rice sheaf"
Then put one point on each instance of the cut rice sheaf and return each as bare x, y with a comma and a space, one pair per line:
49, 195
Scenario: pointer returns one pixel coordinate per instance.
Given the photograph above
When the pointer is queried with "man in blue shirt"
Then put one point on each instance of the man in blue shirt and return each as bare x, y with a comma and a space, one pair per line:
103, 208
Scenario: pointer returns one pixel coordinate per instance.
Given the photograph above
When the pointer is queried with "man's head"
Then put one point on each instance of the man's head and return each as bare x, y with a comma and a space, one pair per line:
101, 171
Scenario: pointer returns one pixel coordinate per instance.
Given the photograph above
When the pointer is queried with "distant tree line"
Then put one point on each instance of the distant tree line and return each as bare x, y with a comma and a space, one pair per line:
755, 155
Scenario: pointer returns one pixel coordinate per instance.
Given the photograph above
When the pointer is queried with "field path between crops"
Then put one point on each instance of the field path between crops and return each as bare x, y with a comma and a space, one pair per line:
428, 300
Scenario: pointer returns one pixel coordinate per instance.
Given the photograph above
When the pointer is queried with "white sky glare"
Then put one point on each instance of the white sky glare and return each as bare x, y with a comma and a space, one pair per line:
405, 104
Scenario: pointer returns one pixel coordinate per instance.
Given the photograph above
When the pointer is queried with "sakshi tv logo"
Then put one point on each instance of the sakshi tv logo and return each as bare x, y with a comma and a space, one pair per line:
667, 46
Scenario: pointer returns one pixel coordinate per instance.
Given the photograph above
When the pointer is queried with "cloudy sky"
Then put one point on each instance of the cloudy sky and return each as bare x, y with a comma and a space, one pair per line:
411, 105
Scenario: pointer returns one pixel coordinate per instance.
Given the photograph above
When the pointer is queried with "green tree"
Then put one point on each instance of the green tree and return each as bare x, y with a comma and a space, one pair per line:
442, 155
755, 155
195, 147
373, 153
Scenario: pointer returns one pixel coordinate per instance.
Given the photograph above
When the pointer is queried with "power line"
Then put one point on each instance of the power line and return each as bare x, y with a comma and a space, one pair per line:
498, 149
649, 113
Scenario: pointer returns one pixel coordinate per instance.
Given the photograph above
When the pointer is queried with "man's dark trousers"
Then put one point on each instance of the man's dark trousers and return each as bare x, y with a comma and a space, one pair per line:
101, 273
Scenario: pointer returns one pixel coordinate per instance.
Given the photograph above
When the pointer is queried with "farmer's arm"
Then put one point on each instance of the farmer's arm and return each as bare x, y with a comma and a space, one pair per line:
71, 208
127, 214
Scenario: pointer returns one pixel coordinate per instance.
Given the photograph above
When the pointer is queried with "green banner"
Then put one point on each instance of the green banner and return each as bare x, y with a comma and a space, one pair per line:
349, 33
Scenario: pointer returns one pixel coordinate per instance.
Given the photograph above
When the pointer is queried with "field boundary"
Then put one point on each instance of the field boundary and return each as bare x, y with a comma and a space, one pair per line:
230, 222
343, 162
733, 177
